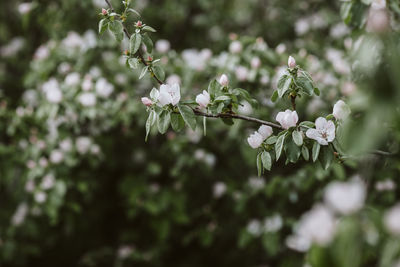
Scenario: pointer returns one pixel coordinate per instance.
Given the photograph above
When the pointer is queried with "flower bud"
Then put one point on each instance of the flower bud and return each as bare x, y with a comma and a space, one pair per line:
104, 11
149, 58
223, 80
291, 62
147, 101
203, 99
265, 131
139, 24
255, 62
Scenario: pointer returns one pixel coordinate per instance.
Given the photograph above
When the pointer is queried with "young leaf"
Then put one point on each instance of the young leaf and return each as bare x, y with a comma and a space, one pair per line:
271, 140
316, 91
134, 43
279, 145
133, 11
266, 160
284, 85
305, 85
144, 71
148, 29
315, 151
177, 122
214, 88
163, 121
274, 96
103, 25
133, 63
297, 137
326, 157
222, 98
148, 43
159, 72
188, 116
150, 121
292, 151
117, 29
259, 164
305, 153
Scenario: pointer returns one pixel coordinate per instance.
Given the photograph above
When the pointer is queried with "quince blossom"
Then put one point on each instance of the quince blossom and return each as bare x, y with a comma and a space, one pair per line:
324, 132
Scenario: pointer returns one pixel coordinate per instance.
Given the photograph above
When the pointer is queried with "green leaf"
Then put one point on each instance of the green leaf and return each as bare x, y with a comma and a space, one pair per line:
228, 121
159, 72
177, 122
148, 29
259, 164
315, 151
292, 151
274, 96
144, 71
326, 157
133, 11
150, 122
279, 145
147, 42
214, 89
305, 153
134, 43
163, 121
284, 84
271, 140
297, 138
307, 124
133, 63
305, 85
316, 91
117, 29
188, 116
266, 160
222, 98
103, 24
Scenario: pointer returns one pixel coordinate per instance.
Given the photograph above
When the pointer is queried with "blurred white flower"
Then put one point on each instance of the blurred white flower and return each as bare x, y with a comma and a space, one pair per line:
255, 62
348, 88
254, 227
124, 252
173, 79
341, 110
256, 183
24, 8
339, 30
287, 119
40, 197
324, 132
64, 67
302, 26
56, 156
264, 79
345, 197
104, 88
392, 220
95, 72
13, 47
48, 182
72, 79
30, 186
52, 91
241, 73
273, 224
385, 185
95, 149
42, 52
87, 83
169, 94
255, 140
219, 189
378, 21
30, 97
19, 216
235, 47
317, 226
195, 59
378, 4
87, 99
162, 46
280, 49
43, 162
83, 144
66, 145
203, 99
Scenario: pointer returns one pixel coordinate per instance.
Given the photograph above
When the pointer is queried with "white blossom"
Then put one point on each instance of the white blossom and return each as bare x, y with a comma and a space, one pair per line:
87, 99
256, 183
24, 8
345, 197
255, 62
52, 90
273, 223
241, 73
255, 140
162, 46
169, 94
203, 99
173, 79
72, 79
66, 145
385, 185
219, 189
83, 144
19, 216
378, 4
287, 119
392, 220
324, 132
48, 181
265, 131
235, 47
56, 156
40, 197
341, 110
254, 227
146, 101
104, 88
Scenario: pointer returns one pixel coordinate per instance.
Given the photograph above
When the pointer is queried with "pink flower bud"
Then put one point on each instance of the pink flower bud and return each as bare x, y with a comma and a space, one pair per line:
291, 62
223, 80
104, 11
139, 23
149, 58
147, 101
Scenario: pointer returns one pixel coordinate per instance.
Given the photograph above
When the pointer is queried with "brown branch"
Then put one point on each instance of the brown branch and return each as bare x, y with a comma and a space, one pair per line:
293, 100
